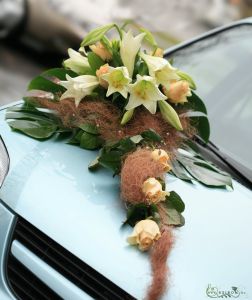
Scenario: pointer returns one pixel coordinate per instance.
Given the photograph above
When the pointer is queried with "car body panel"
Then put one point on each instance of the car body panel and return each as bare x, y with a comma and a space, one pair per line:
7, 220
49, 185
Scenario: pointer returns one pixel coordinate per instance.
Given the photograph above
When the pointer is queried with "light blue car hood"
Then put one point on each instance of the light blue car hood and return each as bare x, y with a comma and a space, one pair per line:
49, 185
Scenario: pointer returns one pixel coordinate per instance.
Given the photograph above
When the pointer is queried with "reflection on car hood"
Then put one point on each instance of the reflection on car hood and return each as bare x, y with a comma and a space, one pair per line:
50, 186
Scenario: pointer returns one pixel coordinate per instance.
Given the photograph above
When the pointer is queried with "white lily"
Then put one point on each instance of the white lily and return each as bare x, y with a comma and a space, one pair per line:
130, 45
79, 87
76, 62
160, 69
118, 80
144, 92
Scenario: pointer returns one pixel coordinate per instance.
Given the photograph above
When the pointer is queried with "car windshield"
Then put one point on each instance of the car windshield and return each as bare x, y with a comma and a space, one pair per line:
221, 67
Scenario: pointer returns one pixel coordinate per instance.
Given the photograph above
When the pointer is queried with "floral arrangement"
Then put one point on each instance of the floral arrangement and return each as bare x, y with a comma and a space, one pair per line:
143, 114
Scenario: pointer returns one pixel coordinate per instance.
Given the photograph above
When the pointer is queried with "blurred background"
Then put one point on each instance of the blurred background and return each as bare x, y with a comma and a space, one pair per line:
35, 34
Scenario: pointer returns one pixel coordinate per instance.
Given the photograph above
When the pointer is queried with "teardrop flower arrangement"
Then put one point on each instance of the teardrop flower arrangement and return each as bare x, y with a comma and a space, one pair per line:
135, 107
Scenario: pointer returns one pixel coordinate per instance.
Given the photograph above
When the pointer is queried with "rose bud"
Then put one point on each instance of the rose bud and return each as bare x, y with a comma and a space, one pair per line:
145, 233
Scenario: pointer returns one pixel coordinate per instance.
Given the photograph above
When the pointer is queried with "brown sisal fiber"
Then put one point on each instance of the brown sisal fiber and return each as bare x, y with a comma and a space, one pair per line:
137, 167
107, 117
159, 255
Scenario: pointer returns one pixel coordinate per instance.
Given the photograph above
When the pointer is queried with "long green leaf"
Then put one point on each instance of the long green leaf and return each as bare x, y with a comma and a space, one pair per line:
204, 172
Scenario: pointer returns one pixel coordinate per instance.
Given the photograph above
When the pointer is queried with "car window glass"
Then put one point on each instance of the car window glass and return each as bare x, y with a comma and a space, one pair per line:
221, 66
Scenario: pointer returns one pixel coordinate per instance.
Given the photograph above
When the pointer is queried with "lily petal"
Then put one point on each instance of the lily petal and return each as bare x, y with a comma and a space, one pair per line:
130, 45
79, 87
76, 62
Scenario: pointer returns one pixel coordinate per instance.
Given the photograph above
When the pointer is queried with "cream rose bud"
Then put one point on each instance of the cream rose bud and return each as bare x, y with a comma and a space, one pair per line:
178, 91
162, 157
100, 72
152, 190
144, 234
101, 51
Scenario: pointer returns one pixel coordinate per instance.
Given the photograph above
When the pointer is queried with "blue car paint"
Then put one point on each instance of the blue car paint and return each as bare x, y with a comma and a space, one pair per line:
50, 186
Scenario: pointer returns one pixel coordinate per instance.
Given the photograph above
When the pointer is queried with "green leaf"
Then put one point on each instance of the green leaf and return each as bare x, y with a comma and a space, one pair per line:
59, 73
90, 141
169, 114
106, 43
140, 212
89, 128
171, 215
176, 201
188, 78
41, 83
97, 34
149, 37
94, 164
127, 116
35, 129
203, 127
111, 160
95, 62
126, 145
151, 135
195, 103
143, 69
136, 139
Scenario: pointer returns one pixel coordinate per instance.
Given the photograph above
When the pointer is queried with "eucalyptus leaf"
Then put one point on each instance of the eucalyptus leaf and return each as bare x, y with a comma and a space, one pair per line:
169, 114
97, 34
